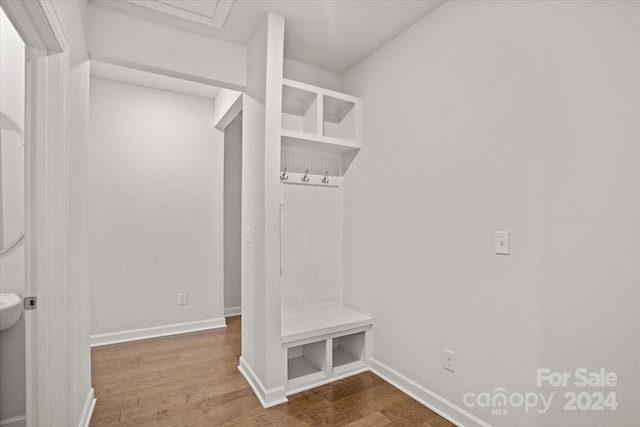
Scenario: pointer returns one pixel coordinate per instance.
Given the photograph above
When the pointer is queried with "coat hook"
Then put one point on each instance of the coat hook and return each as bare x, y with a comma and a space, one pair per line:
305, 178
325, 180
284, 176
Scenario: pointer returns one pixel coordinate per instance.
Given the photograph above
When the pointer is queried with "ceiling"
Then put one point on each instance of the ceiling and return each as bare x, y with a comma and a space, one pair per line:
212, 13
330, 34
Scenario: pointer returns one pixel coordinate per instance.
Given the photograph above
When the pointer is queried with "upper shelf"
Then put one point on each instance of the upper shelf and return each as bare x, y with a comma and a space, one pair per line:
318, 118
291, 138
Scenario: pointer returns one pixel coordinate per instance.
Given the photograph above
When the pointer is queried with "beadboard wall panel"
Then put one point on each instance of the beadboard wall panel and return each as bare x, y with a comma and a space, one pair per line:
301, 162
311, 245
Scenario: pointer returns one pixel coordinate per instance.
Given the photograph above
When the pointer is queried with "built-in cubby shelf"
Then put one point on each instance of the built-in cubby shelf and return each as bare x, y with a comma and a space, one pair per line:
306, 360
319, 119
320, 137
292, 138
323, 343
348, 350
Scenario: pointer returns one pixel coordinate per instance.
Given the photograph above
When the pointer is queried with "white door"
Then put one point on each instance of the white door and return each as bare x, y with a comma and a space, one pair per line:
45, 210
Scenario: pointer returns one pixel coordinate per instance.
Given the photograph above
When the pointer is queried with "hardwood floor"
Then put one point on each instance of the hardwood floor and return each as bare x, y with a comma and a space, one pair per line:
193, 380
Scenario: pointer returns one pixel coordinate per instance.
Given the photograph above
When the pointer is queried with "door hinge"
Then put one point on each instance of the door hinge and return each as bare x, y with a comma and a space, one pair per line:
30, 303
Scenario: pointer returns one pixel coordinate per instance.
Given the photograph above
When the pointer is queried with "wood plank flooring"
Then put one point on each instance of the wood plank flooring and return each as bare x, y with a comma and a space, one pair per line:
193, 380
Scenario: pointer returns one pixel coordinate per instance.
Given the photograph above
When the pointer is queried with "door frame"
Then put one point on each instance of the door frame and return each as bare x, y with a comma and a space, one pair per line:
46, 199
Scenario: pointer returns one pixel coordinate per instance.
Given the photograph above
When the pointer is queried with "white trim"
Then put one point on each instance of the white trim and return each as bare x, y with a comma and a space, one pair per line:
87, 411
55, 26
156, 332
428, 398
267, 397
19, 421
46, 208
232, 112
328, 380
233, 311
37, 23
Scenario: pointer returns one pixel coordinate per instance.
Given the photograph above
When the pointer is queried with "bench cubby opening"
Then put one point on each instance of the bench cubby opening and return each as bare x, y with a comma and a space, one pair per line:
307, 359
348, 349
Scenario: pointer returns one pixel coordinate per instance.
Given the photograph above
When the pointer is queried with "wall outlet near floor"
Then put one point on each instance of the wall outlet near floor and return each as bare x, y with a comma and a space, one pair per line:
449, 360
182, 299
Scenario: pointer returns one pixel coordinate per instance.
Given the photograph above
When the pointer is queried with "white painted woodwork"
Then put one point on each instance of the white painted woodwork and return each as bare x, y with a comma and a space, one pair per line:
38, 24
311, 243
302, 323
317, 111
292, 138
301, 161
226, 105
306, 359
320, 135
57, 73
324, 343
317, 120
339, 118
348, 351
262, 362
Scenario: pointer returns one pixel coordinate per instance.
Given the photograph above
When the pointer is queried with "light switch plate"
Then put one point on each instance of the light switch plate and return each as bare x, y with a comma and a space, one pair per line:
501, 242
247, 234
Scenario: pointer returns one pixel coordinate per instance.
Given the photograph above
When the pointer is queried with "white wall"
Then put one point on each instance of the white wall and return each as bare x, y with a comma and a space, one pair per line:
306, 73
487, 116
155, 208
232, 214
118, 38
12, 265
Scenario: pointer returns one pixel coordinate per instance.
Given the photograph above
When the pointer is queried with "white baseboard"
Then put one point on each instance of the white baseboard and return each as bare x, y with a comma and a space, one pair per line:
328, 380
267, 397
155, 332
232, 311
87, 411
428, 398
19, 421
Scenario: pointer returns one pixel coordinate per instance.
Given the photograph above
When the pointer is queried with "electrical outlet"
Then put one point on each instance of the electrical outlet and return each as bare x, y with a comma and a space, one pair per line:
449, 360
182, 299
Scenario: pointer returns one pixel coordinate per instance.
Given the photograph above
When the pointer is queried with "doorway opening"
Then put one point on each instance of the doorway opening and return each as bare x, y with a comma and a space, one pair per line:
12, 225
232, 216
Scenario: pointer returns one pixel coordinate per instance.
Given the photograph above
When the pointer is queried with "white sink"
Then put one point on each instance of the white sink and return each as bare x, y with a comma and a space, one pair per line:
10, 310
